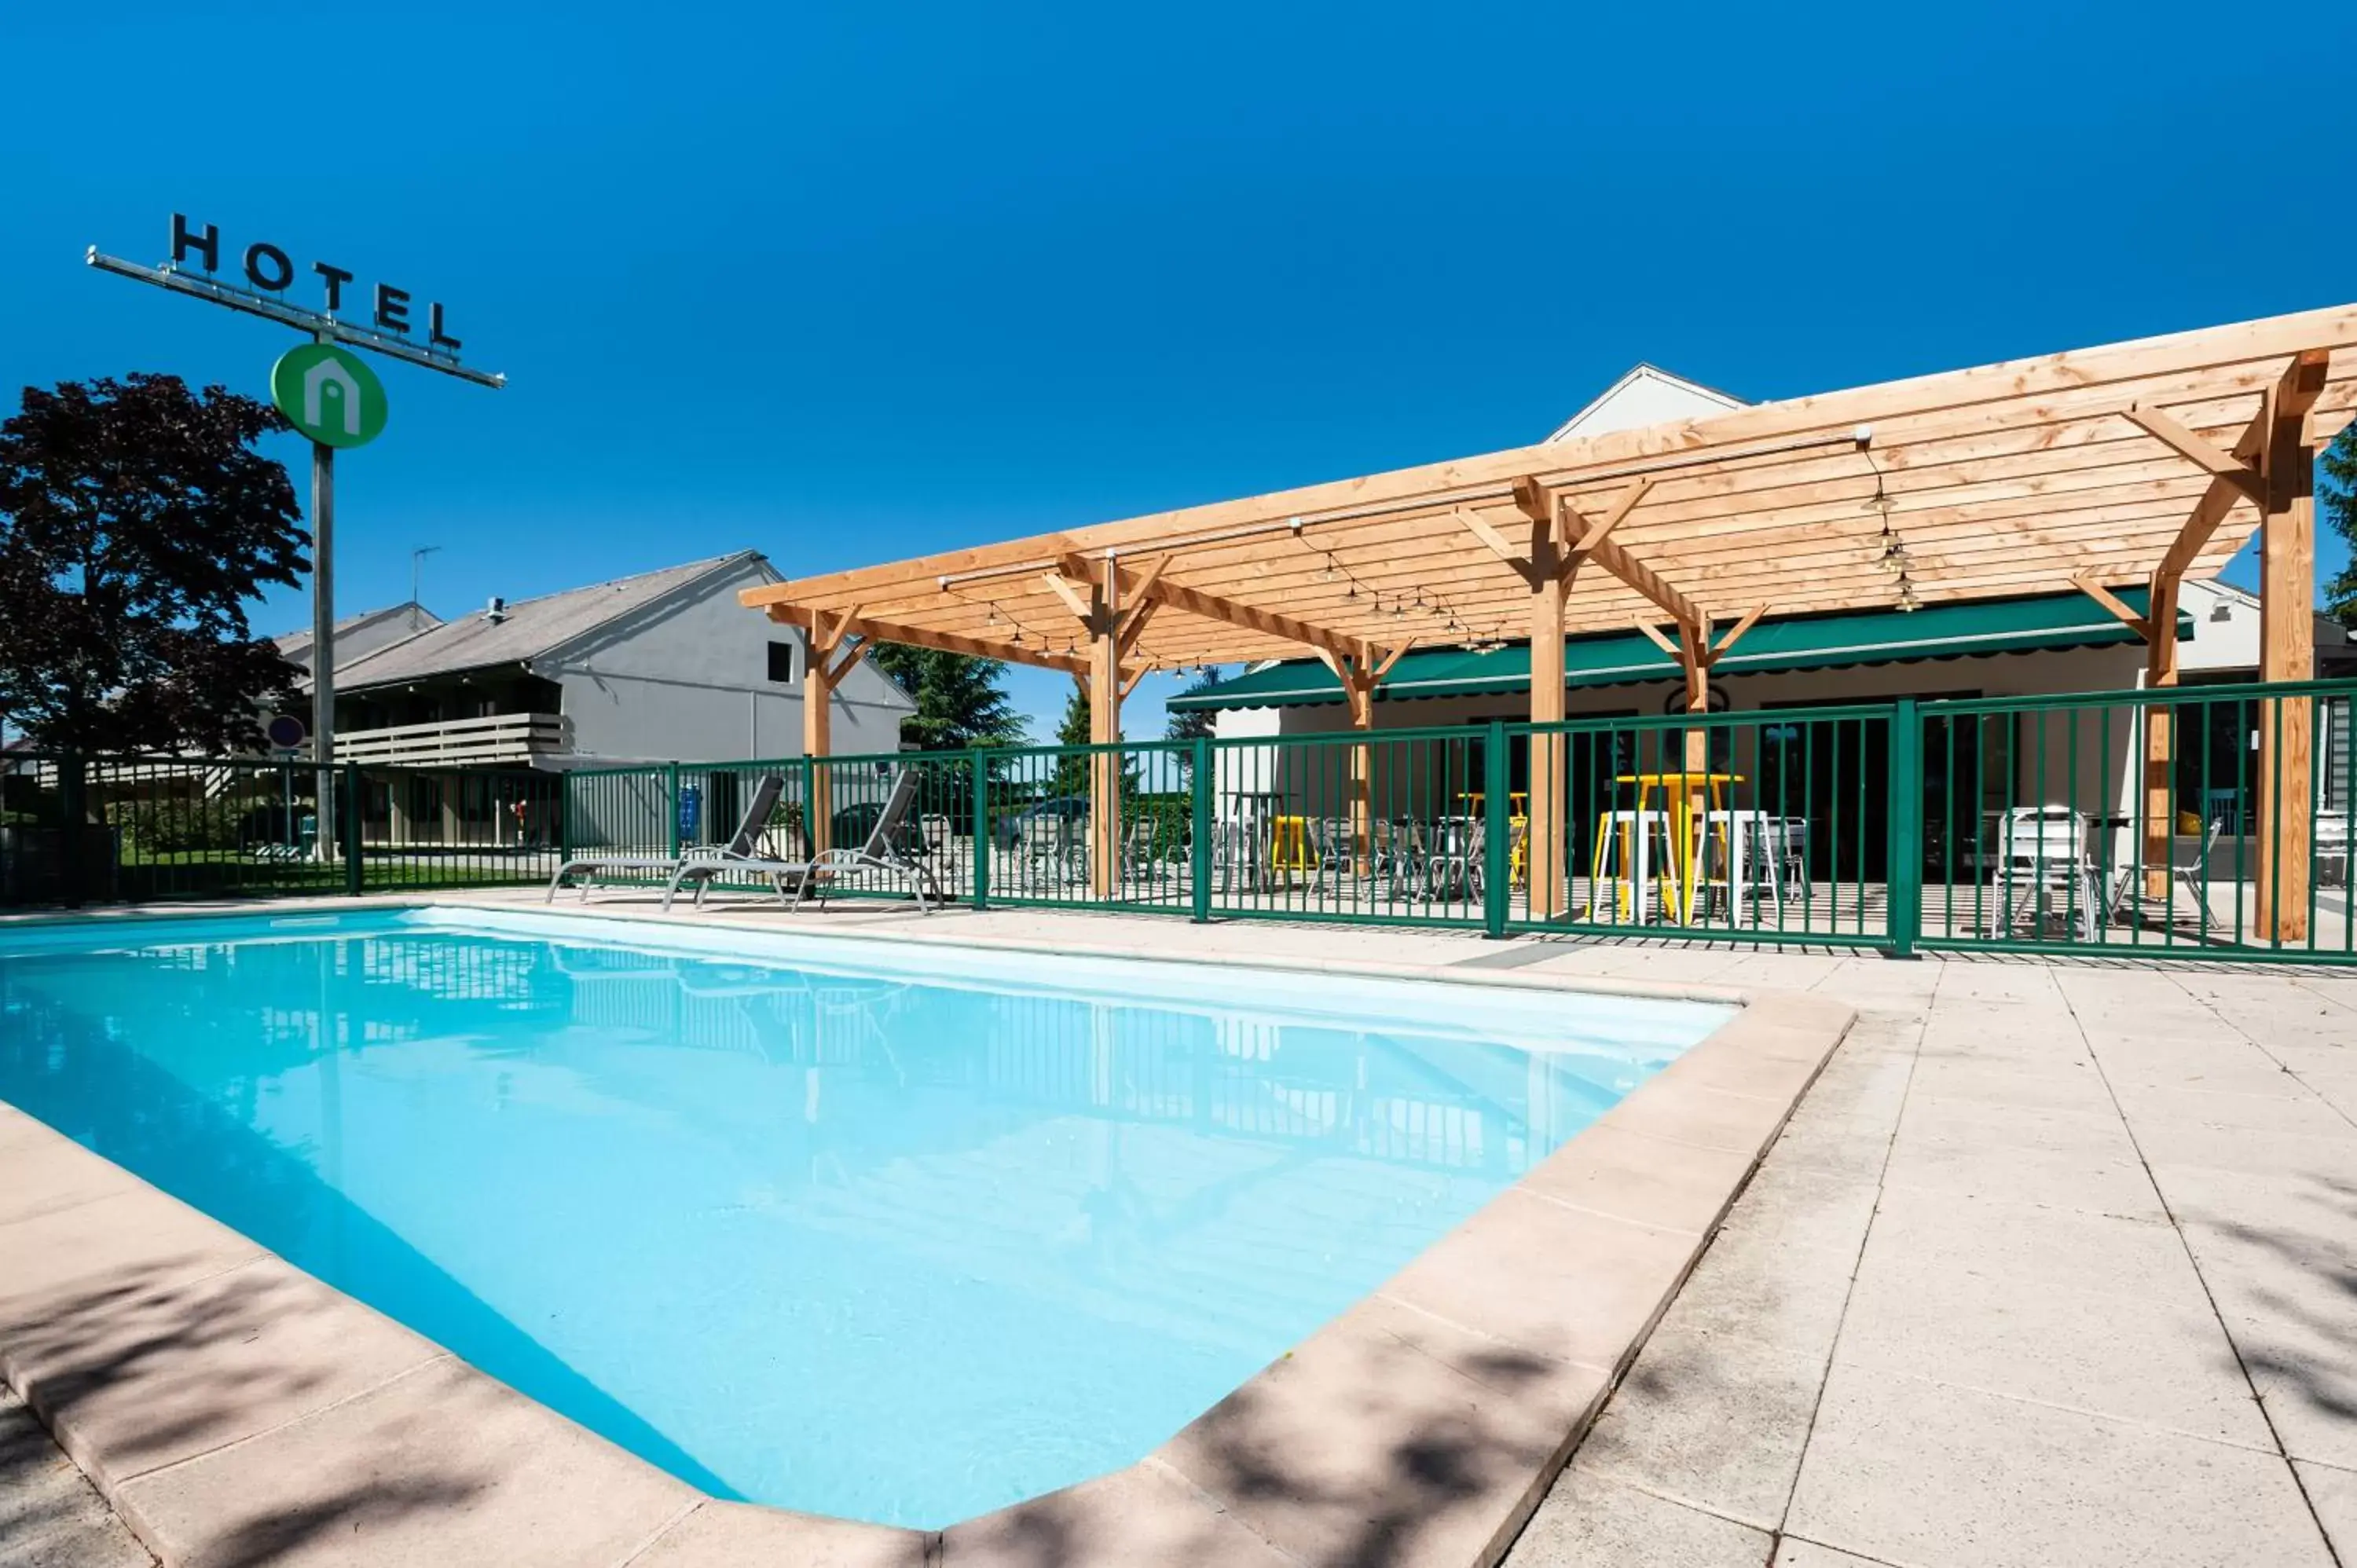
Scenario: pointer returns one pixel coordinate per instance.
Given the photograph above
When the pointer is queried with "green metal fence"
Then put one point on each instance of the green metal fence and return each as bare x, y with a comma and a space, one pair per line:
2113, 823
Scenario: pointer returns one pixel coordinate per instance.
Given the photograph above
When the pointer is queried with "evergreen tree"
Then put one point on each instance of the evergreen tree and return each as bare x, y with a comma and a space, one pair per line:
961, 700
2336, 496
1189, 723
1071, 771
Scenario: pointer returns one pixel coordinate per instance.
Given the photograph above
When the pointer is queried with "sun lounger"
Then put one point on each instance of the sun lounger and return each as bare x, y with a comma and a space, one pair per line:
746, 841
796, 879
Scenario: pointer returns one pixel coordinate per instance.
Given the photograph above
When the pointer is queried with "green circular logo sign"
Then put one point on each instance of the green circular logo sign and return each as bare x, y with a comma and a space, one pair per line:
331, 394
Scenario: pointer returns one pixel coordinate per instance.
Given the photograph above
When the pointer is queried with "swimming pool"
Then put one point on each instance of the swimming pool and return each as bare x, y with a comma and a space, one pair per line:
899, 1233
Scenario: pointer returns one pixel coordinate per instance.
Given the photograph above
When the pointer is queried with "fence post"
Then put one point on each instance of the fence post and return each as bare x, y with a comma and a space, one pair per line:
671, 790
1199, 829
71, 782
1904, 882
563, 817
811, 840
1497, 862
978, 769
354, 879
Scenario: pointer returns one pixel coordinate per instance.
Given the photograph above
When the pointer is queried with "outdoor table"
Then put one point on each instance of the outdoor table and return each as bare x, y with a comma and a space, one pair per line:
1682, 794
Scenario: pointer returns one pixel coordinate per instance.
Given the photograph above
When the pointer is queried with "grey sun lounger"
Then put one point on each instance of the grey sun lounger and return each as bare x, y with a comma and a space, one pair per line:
587, 869
797, 879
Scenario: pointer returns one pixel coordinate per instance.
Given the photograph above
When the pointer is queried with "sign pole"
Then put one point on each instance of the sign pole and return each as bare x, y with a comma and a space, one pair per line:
323, 635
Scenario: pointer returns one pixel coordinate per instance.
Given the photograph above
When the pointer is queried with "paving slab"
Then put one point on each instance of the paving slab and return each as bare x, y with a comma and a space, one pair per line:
2155, 1357
442, 1467
140, 1380
2291, 1311
50, 1516
2332, 1493
1711, 1419
2061, 1159
1794, 1552
1592, 1520
1924, 1474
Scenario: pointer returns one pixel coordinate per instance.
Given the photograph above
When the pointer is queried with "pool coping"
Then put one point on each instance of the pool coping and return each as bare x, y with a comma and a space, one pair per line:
227, 1403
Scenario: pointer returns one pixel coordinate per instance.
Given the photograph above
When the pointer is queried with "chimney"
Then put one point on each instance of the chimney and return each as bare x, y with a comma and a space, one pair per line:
496, 611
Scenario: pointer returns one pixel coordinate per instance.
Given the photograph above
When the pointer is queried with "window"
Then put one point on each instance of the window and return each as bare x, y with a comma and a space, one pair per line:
781, 662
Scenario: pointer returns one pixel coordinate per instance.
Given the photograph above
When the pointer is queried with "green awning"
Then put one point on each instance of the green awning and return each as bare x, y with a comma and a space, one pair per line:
1813, 642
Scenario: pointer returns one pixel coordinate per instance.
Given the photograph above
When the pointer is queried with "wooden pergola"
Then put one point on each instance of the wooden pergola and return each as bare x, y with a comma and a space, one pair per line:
2133, 464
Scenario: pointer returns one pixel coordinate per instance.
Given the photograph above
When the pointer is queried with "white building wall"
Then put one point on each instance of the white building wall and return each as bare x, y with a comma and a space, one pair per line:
688, 680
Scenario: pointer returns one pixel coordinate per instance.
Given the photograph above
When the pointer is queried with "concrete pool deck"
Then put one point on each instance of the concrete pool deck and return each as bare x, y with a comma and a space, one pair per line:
2054, 1264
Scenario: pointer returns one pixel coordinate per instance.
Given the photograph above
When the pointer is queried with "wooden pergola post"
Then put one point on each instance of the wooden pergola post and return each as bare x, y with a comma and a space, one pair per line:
2274, 464
1360, 673
2159, 737
821, 673
1105, 730
2286, 803
1549, 576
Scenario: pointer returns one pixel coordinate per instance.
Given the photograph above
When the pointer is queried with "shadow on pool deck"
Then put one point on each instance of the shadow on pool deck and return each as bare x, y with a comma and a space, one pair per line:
1414, 1476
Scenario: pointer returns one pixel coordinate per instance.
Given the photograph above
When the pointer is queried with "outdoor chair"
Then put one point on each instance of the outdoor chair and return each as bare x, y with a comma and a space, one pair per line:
1634, 860
743, 843
1398, 857
2044, 852
1742, 862
2188, 874
1333, 843
886, 851
1453, 869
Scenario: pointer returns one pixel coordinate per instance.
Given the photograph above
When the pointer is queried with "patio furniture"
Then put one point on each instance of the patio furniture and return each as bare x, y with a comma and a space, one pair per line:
2043, 851
1742, 861
741, 845
2190, 858
1633, 862
1683, 793
1453, 869
884, 851
1244, 849
1335, 850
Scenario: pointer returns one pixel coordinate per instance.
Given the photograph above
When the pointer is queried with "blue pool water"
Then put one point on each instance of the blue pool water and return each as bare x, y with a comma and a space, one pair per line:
899, 1234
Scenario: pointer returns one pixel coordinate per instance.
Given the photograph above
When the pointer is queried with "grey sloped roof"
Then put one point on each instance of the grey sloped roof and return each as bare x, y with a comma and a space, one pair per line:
377, 623
530, 628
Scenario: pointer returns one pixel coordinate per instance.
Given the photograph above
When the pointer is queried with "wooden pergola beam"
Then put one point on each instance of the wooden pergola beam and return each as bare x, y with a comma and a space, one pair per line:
2158, 423
1215, 607
918, 637
2113, 603
1735, 634
1955, 398
2297, 388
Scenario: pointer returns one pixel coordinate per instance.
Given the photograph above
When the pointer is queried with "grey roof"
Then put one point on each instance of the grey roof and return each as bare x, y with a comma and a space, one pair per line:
530, 628
297, 645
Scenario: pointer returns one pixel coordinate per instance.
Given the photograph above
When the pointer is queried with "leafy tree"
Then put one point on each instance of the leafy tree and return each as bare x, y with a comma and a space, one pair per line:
961, 700
136, 521
2337, 496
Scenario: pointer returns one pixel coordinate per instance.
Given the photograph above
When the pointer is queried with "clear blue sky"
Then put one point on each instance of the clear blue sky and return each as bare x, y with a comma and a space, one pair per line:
846, 283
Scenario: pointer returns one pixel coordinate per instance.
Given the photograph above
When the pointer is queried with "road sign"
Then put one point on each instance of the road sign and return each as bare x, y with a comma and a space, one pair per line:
331, 394
285, 732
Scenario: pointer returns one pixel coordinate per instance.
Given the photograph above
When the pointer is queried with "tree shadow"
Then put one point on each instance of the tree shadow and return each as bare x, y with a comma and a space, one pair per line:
2319, 1307
1366, 1448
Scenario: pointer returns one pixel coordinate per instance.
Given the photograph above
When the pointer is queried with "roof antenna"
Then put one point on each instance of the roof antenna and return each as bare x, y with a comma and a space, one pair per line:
417, 570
